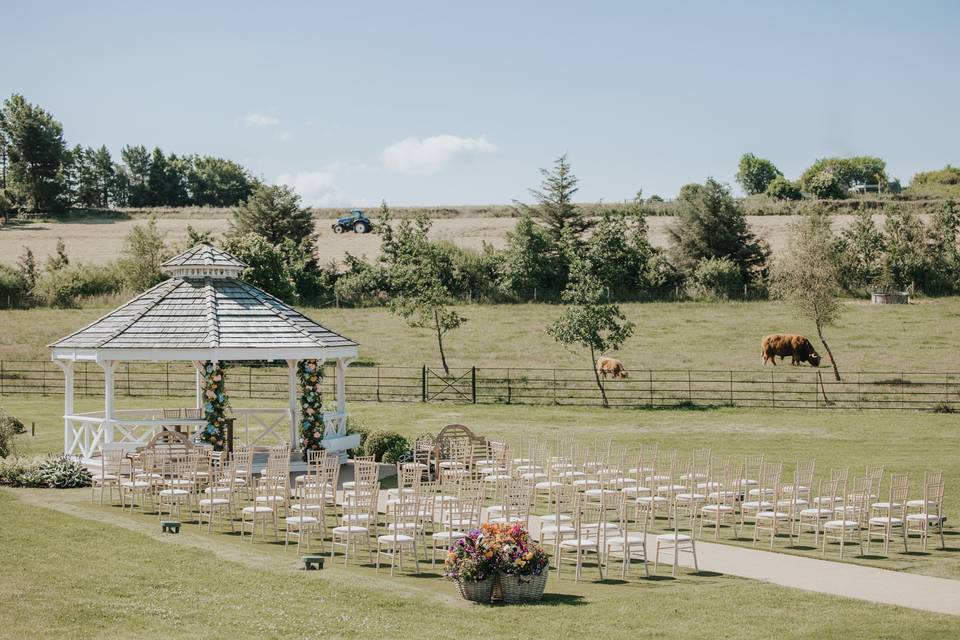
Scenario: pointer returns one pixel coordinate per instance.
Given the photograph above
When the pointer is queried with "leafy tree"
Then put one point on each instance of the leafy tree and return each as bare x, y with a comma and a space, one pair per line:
716, 279
588, 321
555, 210
782, 189
620, 254
943, 247
755, 174
832, 177
274, 213
59, 259
144, 250
27, 266
527, 268
361, 283
806, 276
858, 251
35, 152
419, 275
195, 237
104, 172
166, 180
710, 224
136, 169
267, 266
216, 182
905, 259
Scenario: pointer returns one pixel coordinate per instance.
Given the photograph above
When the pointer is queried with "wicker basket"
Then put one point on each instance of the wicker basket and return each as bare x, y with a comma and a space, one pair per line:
515, 589
477, 591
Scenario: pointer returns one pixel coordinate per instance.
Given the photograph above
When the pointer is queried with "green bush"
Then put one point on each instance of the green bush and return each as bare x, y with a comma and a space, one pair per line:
386, 446
715, 279
10, 426
58, 472
14, 288
64, 287
782, 189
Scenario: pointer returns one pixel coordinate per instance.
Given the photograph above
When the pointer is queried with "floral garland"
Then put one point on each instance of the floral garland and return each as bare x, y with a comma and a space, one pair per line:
310, 377
215, 404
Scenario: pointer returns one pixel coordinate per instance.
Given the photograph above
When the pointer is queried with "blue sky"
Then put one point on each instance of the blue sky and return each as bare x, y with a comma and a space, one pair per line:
438, 103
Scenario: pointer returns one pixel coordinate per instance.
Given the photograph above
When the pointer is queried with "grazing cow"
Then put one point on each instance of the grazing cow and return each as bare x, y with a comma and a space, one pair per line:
797, 347
607, 366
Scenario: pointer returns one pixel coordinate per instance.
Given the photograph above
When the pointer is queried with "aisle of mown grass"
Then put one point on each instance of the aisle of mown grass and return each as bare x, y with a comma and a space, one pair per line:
67, 576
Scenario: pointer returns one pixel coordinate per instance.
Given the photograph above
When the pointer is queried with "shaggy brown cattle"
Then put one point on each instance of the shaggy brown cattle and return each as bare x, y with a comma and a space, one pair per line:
797, 347
607, 366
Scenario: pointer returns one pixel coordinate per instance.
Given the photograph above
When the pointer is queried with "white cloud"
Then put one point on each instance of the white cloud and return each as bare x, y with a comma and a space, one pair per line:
260, 120
430, 155
316, 188
286, 135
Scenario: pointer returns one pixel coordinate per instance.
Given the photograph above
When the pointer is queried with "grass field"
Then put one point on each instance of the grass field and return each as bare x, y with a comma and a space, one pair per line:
917, 337
900, 441
94, 573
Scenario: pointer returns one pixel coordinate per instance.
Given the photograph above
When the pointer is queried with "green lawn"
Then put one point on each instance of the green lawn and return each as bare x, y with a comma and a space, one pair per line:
97, 573
905, 441
885, 338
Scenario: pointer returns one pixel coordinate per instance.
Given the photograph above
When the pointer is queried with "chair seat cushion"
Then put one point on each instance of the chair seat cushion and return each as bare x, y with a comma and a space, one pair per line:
552, 518
134, 484
174, 492
652, 500
712, 508
306, 507
691, 496
554, 529
300, 520
449, 535
770, 515
819, 513
883, 520
673, 537
543, 486
350, 530
920, 517
257, 510
581, 543
757, 505
886, 505
213, 502
636, 490
841, 524
631, 538
392, 538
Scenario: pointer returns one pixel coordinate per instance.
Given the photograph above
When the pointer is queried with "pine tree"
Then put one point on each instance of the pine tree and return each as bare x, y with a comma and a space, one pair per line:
35, 152
555, 209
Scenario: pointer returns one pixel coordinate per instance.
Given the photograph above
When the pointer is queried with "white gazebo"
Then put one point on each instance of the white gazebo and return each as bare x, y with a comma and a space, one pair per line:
203, 313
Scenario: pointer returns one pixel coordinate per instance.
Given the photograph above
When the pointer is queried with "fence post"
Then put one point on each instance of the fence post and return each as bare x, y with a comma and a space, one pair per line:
731, 388
509, 390
249, 382
1, 377
554, 386
167, 376
901, 391
378, 383
473, 385
773, 398
423, 384
43, 378
650, 378
689, 388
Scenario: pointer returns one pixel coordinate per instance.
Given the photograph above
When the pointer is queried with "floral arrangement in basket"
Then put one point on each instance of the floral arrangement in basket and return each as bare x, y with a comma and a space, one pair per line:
517, 553
310, 378
215, 403
471, 559
500, 561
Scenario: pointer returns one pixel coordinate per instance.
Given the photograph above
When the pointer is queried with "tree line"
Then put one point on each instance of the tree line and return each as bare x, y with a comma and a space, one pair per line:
39, 172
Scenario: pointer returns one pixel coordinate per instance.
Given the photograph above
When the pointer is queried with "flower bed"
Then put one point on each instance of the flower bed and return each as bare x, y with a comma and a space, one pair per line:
498, 560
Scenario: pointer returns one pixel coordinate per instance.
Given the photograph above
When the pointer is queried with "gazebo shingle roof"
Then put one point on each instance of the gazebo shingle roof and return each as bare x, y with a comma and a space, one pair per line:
204, 312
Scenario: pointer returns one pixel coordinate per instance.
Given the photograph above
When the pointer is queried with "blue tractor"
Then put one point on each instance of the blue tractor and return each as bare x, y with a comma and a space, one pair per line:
355, 221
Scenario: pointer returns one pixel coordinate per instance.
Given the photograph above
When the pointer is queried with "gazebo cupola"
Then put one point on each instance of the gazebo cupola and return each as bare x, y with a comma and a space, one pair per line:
203, 314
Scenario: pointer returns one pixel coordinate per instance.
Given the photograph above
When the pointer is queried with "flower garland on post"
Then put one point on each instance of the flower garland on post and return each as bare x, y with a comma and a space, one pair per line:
310, 377
215, 403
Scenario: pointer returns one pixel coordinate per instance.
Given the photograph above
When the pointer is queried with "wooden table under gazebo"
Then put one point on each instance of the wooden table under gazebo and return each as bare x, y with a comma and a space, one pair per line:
206, 315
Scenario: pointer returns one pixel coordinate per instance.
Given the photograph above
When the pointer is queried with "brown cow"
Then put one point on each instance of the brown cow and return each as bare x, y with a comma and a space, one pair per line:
797, 347
607, 366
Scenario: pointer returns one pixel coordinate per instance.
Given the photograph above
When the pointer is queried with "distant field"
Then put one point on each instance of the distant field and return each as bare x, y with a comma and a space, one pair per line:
920, 337
99, 239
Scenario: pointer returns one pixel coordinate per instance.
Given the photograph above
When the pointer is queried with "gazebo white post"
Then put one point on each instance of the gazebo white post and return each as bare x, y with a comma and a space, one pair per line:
341, 391
67, 367
108, 367
292, 398
199, 384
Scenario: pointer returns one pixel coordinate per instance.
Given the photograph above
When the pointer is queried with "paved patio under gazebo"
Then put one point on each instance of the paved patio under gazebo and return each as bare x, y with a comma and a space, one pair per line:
203, 314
